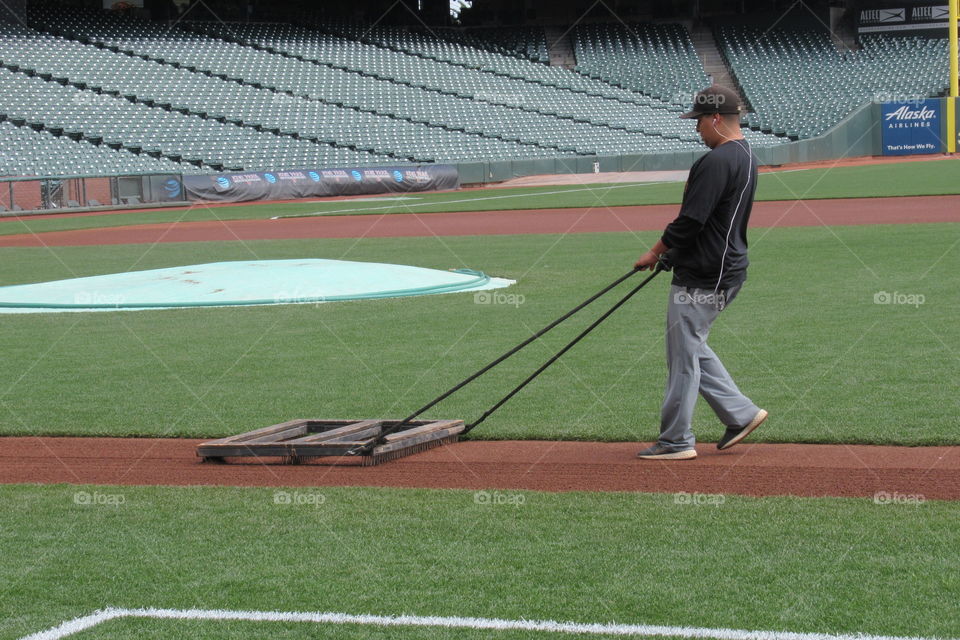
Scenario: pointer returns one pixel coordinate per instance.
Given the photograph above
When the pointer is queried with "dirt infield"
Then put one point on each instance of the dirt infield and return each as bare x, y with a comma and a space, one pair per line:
886, 473
791, 213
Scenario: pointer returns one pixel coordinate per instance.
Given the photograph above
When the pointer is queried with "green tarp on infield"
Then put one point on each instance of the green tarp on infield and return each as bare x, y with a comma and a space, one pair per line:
251, 282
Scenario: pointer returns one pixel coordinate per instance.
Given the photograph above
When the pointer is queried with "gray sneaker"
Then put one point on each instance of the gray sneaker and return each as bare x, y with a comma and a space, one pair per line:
659, 452
733, 436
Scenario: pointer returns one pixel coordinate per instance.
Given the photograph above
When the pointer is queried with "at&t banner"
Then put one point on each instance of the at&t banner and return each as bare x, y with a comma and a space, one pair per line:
307, 183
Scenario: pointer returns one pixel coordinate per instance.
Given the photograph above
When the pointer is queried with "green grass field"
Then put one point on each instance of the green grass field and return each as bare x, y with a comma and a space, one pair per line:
896, 179
806, 339
828, 565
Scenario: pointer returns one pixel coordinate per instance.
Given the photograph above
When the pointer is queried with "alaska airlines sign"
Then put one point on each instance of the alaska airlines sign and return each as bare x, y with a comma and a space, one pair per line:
905, 116
911, 127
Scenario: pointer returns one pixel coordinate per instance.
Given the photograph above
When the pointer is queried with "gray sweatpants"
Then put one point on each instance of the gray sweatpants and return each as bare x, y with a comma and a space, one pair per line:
693, 367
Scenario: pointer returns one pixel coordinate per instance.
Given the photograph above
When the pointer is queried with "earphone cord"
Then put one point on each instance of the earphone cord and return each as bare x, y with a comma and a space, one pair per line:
746, 149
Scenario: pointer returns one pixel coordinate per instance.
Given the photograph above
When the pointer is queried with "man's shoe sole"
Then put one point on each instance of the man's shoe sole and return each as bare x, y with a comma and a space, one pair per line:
747, 430
688, 454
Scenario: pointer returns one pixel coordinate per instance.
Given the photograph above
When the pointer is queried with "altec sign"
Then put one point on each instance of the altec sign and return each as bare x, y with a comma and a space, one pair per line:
928, 19
911, 127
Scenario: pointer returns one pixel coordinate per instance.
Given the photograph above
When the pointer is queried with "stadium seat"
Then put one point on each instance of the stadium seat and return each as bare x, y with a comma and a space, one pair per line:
800, 84
103, 91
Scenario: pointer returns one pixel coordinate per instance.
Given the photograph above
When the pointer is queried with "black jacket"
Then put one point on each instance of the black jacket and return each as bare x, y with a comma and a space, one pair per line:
708, 239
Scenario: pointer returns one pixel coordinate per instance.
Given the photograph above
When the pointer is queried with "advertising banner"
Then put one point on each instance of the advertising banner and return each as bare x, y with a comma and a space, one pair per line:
928, 19
307, 183
164, 189
911, 127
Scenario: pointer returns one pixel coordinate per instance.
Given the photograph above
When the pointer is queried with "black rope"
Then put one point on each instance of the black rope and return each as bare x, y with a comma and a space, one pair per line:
556, 356
482, 371
406, 421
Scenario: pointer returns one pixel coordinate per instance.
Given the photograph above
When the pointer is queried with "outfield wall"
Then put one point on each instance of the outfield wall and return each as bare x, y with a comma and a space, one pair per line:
54, 194
859, 134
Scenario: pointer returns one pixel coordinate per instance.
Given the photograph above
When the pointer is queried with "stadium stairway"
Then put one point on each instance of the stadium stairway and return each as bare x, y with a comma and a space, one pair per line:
655, 60
560, 47
713, 63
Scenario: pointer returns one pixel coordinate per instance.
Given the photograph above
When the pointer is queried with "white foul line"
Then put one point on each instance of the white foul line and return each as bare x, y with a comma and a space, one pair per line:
71, 627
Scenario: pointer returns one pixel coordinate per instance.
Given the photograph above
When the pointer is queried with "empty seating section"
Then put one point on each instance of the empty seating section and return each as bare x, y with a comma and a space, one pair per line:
799, 84
524, 42
904, 67
261, 107
138, 128
427, 47
40, 153
479, 86
114, 94
120, 122
155, 83
488, 87
655, 59
163, 84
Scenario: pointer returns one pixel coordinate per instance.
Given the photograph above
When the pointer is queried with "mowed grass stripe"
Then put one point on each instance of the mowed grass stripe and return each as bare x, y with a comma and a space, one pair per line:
938, 177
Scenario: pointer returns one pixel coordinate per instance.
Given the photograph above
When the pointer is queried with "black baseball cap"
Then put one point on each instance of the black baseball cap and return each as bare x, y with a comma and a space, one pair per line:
714, 99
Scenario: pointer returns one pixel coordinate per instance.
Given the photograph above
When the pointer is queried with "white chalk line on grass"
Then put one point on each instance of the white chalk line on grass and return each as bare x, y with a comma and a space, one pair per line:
76, 625
438, 203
